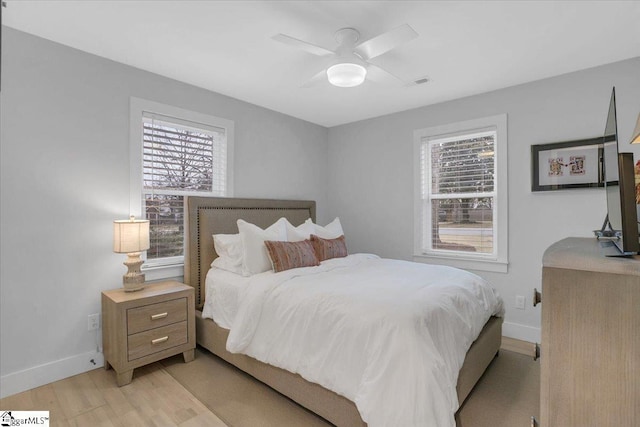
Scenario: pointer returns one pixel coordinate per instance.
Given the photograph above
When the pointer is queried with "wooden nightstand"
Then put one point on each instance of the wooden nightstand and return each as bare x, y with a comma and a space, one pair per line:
145, 326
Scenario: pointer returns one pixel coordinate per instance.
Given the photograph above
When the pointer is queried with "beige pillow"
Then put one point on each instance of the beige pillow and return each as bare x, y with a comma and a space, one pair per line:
288, 255
329, 248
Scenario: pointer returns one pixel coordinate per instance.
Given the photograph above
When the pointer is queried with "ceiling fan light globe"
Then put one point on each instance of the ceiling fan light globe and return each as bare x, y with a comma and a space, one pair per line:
346, 74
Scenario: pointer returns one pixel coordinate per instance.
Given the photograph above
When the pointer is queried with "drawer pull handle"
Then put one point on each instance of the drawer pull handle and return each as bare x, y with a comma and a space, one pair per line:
159, 340
159, 316
537, 297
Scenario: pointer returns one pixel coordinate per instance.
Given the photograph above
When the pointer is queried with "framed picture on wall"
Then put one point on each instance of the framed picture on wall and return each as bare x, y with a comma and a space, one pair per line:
638, 182
570, 164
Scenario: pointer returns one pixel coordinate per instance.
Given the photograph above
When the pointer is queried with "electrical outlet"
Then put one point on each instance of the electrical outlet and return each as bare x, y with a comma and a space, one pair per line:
520, 302
93, 322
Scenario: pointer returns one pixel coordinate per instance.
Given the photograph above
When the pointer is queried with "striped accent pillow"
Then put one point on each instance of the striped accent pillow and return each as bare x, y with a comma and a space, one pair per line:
329, 248
288, 255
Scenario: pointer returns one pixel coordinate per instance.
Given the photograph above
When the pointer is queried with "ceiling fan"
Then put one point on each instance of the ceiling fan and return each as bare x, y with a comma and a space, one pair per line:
349, 63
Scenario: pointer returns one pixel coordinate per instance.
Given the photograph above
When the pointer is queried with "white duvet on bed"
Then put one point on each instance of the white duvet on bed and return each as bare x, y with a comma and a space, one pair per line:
222, 295
389, 335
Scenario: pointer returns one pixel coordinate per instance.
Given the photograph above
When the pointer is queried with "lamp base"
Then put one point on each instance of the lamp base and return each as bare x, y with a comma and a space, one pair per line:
134, 279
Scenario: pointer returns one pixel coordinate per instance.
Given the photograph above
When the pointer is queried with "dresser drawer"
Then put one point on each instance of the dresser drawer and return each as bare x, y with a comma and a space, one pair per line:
149, 342
156, 315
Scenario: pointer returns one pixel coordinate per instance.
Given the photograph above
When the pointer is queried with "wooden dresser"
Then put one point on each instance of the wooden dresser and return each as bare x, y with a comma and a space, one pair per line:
590, 372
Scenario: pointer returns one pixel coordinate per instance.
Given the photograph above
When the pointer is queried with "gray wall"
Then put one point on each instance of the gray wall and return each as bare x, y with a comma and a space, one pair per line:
65, 178
371, 180
64, 148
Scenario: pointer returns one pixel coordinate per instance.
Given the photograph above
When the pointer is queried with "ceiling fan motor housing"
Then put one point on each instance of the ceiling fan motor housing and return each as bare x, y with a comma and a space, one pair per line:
347, 36
345, 54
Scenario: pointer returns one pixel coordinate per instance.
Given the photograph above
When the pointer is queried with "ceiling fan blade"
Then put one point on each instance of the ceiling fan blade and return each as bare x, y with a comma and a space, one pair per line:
311, 48
316, 80
380, 75
385, 42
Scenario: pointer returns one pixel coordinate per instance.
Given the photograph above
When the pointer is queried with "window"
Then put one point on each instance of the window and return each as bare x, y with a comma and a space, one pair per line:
175, 153
460, 206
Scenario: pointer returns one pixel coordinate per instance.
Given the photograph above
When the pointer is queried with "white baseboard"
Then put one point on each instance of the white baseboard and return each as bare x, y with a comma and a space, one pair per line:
37, 376
521, 332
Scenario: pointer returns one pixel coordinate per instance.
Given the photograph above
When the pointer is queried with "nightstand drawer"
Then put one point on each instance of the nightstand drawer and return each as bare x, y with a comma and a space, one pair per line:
149, 342
156, 315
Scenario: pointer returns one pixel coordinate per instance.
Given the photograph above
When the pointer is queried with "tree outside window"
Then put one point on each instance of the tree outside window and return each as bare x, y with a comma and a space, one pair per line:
178, 160
462, 181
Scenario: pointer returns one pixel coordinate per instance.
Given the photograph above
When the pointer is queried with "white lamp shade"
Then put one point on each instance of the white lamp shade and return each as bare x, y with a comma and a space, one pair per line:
346, 74
130, 236
635, 138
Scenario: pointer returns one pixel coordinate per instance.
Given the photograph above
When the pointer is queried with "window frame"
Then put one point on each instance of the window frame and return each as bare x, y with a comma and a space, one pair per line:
497, 262
162, 268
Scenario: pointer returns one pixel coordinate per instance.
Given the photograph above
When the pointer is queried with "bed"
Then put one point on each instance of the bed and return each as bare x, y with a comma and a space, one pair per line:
208, 216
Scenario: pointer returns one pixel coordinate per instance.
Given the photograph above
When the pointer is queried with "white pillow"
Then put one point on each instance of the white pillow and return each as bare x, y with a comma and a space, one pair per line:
226, 263
333, 230
229, 250
228, 245
255, 258
299, 233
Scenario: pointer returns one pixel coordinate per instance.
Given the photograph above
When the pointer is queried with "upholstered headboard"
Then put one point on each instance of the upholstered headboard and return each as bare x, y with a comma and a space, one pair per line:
207, 216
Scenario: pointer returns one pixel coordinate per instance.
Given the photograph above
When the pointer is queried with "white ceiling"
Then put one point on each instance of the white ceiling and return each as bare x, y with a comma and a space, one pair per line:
464, 47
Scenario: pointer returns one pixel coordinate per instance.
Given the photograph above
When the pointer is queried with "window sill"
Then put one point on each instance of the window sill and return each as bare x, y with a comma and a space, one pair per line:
161, 272
467, 264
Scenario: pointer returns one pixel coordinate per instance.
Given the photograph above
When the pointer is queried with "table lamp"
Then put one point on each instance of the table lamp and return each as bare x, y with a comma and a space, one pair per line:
131, 237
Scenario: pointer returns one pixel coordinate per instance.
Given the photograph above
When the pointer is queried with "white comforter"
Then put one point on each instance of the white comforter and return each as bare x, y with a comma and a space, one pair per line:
389, 335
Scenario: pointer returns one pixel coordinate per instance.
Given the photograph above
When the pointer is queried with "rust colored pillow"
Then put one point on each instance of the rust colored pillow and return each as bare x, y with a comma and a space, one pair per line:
329, 248
288, 255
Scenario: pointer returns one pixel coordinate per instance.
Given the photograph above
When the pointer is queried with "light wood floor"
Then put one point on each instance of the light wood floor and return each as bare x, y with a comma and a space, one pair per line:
506, 396
154, 398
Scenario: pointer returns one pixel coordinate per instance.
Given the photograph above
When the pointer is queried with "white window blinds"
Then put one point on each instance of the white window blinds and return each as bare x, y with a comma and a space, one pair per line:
458, 193
179, 158
463, 164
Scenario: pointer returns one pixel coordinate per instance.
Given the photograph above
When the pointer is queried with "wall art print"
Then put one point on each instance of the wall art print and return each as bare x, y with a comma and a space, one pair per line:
638, 182
570, 164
